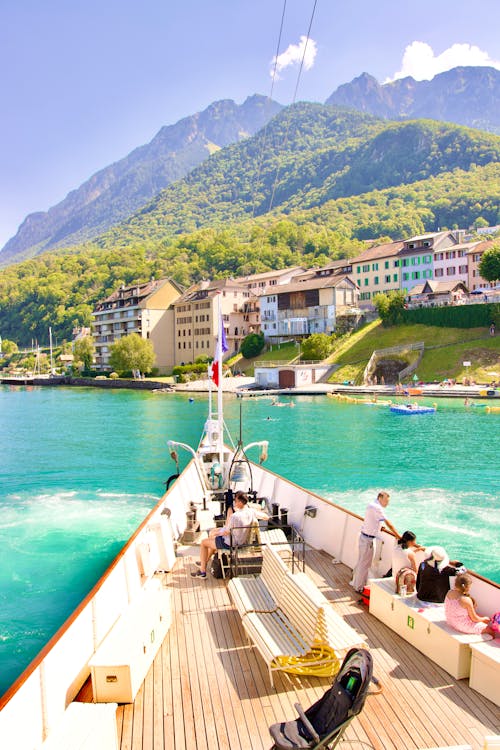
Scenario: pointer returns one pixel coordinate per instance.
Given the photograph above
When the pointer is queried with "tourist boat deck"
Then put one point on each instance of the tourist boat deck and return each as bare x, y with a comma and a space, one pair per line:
209, 689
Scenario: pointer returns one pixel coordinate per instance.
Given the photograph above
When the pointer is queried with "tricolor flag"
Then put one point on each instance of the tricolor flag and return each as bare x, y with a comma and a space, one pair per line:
220, 348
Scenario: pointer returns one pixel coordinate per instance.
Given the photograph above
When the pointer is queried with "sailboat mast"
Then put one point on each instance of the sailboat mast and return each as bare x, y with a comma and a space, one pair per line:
50, 344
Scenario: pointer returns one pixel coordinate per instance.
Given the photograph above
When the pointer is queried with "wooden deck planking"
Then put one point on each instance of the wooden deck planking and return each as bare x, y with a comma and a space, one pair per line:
208, 689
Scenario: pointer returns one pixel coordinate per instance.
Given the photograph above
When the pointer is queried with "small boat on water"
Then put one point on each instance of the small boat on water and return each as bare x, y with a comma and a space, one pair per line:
412, 409
175, 647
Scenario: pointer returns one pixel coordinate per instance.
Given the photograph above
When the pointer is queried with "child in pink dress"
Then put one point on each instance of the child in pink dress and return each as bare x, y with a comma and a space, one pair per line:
460, 609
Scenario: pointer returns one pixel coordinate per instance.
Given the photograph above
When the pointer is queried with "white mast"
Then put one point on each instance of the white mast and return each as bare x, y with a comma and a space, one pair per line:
50, 344
220, 413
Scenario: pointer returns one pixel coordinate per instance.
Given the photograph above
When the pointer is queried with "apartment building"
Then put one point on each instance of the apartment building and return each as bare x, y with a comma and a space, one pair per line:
197, 321
341, 267
474, 256
377, 270
146, 309
259, 283
301, 308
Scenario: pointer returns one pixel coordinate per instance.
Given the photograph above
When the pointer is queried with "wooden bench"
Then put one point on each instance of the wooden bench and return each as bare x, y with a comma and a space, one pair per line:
424, 626
485, 670
261, 593
85, 726
289, 620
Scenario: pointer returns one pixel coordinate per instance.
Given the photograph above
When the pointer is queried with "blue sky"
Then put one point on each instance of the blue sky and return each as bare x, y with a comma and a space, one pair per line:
83, 83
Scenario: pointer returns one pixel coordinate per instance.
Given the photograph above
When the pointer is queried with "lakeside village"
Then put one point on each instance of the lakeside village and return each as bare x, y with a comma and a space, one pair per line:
435, 269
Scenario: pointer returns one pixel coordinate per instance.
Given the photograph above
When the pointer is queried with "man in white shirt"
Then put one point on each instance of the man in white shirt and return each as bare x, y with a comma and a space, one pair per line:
370, 530
235, 531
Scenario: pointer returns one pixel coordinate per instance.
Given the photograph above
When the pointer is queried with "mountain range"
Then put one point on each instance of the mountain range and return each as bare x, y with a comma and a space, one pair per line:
466, 96
115, 192
305, 155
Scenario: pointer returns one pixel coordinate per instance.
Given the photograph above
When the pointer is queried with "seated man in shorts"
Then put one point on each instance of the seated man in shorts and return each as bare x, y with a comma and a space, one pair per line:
236, 529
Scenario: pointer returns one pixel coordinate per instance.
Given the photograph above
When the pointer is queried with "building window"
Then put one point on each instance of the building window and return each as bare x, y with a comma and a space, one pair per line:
386, 264
427, 274
359, 269
396, 264
375, 280
387, 279
406, 276
462, 269
366, 282
374, 266
450, 271
427, 259
438, 272
366, 268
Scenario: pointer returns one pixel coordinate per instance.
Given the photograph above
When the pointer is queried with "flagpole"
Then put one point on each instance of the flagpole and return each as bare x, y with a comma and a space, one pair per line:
220, 354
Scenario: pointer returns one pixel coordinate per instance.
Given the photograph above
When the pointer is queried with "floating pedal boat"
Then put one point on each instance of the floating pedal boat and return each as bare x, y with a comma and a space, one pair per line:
408, 409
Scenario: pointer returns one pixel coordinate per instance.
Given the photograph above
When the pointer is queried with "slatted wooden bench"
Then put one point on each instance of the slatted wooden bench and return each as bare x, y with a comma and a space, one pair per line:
262, 593
289, 620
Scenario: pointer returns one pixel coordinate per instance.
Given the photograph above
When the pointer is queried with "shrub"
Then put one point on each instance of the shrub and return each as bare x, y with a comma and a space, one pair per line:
317, 346
252, 345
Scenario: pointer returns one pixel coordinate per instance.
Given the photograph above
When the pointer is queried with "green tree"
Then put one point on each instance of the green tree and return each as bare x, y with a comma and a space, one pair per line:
83, 353
132, 353
317, 346
489, 267
252, 345
390, 307
9, 347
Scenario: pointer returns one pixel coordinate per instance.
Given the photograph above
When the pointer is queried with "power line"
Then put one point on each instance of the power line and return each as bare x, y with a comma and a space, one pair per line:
269, 99
285, 142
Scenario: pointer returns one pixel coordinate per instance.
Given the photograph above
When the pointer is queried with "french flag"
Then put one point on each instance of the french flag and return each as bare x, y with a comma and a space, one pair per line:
220, 349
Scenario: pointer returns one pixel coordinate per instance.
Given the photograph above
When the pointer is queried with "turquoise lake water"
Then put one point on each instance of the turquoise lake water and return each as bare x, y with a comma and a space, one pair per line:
80, 468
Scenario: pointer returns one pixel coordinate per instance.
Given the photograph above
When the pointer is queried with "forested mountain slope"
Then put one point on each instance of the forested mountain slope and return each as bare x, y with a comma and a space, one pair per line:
114, 193
308, 154
59, 289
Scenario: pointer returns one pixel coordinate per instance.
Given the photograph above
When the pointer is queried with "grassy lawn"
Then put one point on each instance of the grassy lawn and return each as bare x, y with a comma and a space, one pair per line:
276, 353
453, 346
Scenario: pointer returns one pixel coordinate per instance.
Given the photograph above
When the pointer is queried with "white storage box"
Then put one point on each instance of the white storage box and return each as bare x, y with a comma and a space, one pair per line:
121, 662
424, 627
485, 671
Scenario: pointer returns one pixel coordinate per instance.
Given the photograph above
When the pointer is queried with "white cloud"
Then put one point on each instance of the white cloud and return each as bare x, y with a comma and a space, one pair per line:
420, 62
306, 48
